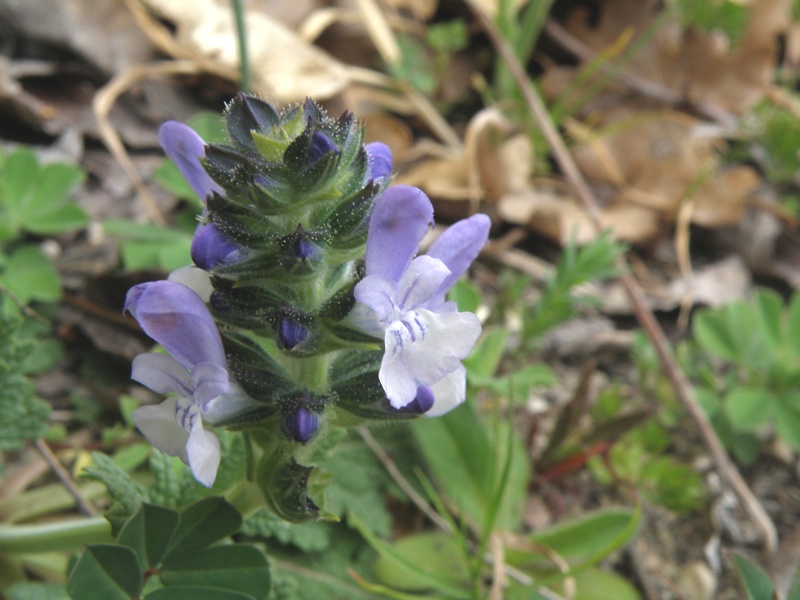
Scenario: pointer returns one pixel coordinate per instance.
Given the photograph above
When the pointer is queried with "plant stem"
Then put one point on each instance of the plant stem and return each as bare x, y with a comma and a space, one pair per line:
241, 34
50, 537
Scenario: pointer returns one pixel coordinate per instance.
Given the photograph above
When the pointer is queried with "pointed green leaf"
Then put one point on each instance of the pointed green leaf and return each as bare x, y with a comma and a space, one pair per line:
105, 572
203, 523
235, 568
588, 535
433, 553
755, 582
149, 533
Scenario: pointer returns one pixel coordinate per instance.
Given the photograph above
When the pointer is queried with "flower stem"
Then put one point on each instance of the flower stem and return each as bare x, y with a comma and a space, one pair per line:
241, 34
59, 535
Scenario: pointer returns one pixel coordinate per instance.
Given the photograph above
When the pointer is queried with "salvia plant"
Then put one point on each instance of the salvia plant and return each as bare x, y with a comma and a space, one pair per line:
307, 308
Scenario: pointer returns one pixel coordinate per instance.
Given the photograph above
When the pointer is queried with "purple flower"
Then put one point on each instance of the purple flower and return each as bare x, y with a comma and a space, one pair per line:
196, 371
402, 300
210, 248
185, 148
380, 160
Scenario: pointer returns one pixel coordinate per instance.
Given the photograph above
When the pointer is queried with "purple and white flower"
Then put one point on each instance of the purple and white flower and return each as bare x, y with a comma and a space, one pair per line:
196, 372
402, 300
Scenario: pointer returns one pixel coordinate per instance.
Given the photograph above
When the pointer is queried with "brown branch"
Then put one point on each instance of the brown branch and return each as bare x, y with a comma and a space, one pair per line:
84, 505
680, 385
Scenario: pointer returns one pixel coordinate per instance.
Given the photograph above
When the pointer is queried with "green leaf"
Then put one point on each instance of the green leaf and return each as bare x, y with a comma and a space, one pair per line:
755, 582
20, 174
466, 296
30, 275
769, 308
105, 572
787, 419
126, 494
149, 533
67, 217
597, 584
196, 592
461, 456
748, 408
713, 334
485, 357
445, 587
308, 537
235, 568
54, 182
432, 553
793, 326
203, 523
594, 534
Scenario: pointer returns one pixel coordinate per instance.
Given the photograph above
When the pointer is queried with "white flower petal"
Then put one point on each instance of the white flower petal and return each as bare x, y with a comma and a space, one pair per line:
379, 294
157, 423
448, 392
422, 348
203, 453
366, 320
162, 374
230, 404
420, 282
195, 279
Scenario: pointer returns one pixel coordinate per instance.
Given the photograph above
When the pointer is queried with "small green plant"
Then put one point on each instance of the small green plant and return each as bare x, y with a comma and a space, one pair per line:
577, 265
34, 199
715, 16
23, 416
756, 347
440, 43
161, 553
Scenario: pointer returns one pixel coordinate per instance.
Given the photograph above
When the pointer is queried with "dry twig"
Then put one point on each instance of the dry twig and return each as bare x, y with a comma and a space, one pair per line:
84, 505
677, 379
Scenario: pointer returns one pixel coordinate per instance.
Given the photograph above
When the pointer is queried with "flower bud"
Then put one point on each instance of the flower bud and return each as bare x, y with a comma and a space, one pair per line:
291, 334
301, 425
422, 403
210, 248
321, 145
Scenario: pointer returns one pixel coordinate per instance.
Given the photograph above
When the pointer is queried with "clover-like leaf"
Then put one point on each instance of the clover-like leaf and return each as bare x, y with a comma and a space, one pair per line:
106, 572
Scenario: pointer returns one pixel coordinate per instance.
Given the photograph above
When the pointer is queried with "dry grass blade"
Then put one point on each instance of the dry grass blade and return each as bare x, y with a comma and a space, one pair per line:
677, 379
104, 100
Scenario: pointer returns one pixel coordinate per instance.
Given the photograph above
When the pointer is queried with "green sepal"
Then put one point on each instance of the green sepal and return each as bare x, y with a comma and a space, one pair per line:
284, 484
255, 370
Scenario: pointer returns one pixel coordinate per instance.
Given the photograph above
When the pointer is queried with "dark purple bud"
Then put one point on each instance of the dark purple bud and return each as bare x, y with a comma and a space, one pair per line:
210, 248
301, 425
301, 247
380, 160
422, 403
291, 334
321, 145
